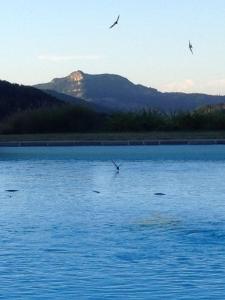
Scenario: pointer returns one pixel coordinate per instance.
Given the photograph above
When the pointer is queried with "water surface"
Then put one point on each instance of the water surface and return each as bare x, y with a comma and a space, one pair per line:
61, 240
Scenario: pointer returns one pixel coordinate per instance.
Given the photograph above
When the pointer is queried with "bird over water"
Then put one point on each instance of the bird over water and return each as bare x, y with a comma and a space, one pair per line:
116, 166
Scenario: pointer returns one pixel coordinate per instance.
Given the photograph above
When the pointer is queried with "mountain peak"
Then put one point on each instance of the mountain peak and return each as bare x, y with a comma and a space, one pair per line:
118, 93
77, 76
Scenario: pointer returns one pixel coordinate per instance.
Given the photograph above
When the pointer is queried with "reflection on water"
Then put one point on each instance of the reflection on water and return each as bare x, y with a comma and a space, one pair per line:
159, 220
61, 240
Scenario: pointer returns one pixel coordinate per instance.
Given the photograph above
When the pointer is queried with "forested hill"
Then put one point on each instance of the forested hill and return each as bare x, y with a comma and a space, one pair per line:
14, 98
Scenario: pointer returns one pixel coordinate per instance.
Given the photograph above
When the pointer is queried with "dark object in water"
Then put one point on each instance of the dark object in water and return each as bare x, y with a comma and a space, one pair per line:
160, 194
97, 192
11, 191
116, 166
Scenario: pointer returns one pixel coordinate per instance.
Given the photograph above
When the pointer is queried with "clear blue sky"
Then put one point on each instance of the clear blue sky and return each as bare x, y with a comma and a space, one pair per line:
44, 39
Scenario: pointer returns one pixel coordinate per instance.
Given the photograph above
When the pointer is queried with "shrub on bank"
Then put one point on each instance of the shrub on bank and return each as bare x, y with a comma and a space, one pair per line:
52, 120
70, 118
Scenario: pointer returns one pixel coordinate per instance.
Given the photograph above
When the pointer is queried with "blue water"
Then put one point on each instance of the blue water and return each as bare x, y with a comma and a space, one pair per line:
61, 240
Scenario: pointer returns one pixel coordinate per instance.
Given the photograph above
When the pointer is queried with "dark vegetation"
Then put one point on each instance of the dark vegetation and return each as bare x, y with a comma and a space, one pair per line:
66, 118
15, 98
28, 110
70, 118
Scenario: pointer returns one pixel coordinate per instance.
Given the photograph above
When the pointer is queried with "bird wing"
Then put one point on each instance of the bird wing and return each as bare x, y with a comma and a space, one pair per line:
113, 25
114, 163
191, 47
116, 22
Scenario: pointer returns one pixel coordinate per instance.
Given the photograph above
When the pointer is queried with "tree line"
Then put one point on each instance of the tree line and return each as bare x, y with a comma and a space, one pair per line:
69, 118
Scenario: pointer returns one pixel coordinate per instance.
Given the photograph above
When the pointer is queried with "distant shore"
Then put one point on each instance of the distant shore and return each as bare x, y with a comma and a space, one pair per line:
110, 143
114, 139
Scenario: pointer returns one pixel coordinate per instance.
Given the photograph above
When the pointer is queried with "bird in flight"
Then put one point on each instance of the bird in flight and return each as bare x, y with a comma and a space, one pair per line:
115, 23
191, 47
116, 166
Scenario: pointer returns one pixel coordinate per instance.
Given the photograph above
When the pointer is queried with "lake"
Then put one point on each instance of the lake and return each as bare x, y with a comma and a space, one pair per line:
76, 229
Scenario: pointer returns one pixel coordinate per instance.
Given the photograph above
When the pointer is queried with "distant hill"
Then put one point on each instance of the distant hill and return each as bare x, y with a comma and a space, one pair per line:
115, 92
15, 98
76, 101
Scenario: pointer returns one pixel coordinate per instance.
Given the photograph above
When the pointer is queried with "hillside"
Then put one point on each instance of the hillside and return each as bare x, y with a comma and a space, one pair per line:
76, 101
115, 92
15, 98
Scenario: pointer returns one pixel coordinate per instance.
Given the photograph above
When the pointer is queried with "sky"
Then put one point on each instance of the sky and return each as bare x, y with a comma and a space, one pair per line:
44, 39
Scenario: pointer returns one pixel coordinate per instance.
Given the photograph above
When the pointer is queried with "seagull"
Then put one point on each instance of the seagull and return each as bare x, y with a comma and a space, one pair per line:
115, 23
191, 47
117, 166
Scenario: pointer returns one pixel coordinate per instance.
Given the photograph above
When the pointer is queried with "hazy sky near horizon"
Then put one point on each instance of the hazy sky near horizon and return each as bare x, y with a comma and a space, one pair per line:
44, 39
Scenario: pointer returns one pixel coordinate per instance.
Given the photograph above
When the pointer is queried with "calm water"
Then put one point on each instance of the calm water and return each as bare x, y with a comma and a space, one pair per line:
61, 240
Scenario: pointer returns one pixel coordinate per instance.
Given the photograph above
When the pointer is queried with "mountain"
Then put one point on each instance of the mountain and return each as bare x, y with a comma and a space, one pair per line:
14, 98
115, 92
75, 101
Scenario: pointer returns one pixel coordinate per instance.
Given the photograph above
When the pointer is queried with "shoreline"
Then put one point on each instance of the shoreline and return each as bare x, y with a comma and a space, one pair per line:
152, 142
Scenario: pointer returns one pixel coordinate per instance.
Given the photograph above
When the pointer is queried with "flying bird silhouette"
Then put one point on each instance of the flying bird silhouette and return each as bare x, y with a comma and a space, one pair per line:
191, 47
115, 23
116, 166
